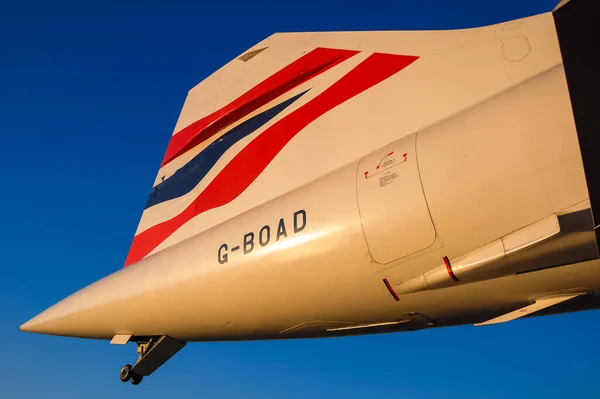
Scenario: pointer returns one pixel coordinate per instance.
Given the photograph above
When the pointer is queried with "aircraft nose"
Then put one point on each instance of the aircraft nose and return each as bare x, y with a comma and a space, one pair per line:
70, 319
30, 325
100, 310
49, 321
79, 315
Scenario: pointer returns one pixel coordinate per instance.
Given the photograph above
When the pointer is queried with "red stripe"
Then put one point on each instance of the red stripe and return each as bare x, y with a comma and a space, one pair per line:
310, 65
245, 167
449, 268
391, 289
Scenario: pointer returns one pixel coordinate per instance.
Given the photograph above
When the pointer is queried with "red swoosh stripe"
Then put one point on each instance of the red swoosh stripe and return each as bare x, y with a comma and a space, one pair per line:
247, 165
306, 67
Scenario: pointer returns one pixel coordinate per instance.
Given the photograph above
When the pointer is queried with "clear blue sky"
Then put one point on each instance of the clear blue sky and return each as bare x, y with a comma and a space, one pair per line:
89, 95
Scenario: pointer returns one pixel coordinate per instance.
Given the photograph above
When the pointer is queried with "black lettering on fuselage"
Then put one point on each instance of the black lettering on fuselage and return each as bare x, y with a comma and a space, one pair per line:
297, 227
248, 242
264, 236
281, 232
223, 257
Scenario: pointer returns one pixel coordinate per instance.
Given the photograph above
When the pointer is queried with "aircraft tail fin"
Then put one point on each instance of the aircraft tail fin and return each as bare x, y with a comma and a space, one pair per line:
300, 105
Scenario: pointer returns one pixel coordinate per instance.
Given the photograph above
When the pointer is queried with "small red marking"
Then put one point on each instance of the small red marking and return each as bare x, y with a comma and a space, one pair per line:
391, 289
405, 155
391, 153
449, 268
377, 167
366, 174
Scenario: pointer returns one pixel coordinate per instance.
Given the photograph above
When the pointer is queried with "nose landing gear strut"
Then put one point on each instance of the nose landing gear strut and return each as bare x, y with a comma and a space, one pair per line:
154, 352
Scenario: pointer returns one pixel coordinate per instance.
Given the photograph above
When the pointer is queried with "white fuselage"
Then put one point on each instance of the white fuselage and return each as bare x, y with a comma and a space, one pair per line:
459, 184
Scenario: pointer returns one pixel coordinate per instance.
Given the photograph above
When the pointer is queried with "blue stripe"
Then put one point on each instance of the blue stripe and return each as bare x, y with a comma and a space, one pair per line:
188, 176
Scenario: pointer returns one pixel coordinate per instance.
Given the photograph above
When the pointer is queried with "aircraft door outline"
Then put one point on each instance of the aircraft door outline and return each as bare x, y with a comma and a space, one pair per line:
393, 209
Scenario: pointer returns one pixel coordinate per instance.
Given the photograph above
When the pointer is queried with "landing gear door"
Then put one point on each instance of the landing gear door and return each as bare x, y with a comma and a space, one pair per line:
393, 210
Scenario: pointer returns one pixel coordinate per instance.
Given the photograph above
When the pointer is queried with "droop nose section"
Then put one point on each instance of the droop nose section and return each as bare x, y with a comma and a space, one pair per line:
66, 318
51, 321
92, 312
45, 322
138, 300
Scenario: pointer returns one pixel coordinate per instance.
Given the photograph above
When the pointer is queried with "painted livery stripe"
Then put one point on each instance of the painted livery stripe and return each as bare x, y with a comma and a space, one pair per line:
307, 67
247, 165
187, 177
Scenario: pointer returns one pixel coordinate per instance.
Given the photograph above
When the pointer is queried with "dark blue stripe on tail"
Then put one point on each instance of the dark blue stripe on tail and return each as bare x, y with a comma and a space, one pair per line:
188, 176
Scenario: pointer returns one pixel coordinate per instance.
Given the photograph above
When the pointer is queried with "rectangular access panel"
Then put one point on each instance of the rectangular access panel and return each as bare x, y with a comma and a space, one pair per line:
393, 209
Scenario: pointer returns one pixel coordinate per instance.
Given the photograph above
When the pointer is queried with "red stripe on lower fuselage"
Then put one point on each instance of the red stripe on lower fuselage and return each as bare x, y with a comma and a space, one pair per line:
449, 268
391, 289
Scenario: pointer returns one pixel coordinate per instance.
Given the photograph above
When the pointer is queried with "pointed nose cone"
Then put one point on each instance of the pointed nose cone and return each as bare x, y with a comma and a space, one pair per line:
102, 309
45, 322
30, 326
54, 320
72, 317
86, 313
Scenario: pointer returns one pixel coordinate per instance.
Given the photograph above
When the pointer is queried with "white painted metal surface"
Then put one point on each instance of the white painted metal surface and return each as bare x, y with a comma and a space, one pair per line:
530, 309
393, 210
311, 246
